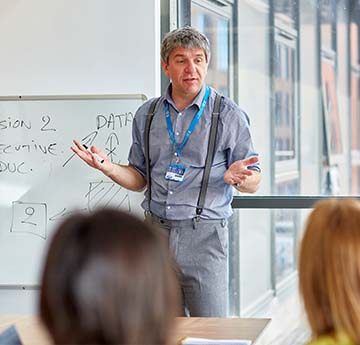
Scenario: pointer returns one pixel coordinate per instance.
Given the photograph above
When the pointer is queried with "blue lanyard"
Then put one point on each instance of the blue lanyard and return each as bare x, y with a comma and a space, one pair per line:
192, 124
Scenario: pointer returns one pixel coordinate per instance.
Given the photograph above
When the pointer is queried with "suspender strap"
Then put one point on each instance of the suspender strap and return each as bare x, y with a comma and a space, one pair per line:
210, 155
149, 119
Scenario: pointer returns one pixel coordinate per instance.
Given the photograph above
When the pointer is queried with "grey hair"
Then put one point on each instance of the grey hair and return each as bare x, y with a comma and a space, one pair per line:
185, 37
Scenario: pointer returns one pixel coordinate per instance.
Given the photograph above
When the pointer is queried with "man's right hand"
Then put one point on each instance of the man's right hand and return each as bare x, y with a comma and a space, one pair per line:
125, 175
90, 157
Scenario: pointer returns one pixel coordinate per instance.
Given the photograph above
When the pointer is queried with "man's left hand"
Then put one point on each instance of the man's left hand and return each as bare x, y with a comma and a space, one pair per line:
239, 175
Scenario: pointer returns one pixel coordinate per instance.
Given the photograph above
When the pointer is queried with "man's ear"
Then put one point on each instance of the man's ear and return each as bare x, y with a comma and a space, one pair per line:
164, 66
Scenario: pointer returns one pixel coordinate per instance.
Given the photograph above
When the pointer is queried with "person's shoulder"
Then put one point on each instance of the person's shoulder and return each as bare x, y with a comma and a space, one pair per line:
340, 338
147, 104
231, 111
230, 105
145, 107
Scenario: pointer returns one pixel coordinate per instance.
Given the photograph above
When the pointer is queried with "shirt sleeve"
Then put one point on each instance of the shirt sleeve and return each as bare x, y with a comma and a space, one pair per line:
136, 156
239, 141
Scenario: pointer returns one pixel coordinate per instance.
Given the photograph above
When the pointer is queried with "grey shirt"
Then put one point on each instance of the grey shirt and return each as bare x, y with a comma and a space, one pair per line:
178, 200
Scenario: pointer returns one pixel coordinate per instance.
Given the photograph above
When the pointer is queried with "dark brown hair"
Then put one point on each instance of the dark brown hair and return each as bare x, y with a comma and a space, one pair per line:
108, 278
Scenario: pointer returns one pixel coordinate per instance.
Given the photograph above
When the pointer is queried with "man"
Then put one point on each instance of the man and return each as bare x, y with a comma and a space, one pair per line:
178, 141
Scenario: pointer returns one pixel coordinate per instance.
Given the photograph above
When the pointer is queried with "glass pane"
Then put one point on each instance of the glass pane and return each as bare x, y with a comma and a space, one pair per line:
354, 43
286, 226
328, 21
285, 243
355, 118
330, 106
285, 10
284, 107
355, 177
355, 134
216, 28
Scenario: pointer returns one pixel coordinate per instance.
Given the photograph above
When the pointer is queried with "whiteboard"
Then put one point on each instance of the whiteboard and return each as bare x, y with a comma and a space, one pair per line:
42, 181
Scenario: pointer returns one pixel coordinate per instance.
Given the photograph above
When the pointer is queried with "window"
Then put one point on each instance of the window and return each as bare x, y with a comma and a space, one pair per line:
286, 227
327, 10
215, 22
285, 101
330, 108
355, 132
285, 165
355, 110
288, 68
286, 11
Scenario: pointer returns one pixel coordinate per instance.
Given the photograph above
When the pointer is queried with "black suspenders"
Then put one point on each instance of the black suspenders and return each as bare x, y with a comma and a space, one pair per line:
149, 118
209, 156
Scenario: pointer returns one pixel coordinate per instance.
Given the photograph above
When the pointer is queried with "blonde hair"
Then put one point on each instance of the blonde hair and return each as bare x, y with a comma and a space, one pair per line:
329, 268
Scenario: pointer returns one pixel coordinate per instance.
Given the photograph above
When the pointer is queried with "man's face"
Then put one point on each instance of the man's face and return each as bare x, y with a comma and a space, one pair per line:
187, 70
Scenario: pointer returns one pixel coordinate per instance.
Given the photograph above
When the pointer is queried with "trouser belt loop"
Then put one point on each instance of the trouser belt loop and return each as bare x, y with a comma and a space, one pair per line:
223, 222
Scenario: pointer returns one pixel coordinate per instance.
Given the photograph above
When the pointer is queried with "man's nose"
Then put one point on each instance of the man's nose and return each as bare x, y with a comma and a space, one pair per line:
190, 67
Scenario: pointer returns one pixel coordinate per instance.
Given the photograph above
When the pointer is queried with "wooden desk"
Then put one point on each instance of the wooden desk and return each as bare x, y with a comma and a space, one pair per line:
216, 328
31, 331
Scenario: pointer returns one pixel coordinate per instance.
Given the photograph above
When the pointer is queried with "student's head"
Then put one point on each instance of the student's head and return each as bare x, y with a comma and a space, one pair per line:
329, 268
185, 55
108, 278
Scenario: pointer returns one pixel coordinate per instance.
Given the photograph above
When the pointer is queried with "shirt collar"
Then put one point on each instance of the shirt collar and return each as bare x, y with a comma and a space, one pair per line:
197, 101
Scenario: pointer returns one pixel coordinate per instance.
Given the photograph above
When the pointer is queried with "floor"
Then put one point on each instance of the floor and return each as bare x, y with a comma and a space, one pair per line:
288, 325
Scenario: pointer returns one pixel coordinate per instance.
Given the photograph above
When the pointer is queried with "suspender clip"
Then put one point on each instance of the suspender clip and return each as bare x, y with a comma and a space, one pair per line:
147, 213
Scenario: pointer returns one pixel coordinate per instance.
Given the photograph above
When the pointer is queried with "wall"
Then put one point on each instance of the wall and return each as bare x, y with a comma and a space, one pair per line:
79, 47
76, 47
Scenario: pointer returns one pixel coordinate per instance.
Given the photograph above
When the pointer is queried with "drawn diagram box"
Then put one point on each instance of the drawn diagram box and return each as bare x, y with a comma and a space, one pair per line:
29, 218
104, 194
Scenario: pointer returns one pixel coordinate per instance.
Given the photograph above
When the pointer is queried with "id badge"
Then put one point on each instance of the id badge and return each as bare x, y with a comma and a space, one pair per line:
175, 172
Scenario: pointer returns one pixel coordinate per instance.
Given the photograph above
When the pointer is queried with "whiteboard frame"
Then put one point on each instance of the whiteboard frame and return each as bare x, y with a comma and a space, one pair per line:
19, 287
73, 97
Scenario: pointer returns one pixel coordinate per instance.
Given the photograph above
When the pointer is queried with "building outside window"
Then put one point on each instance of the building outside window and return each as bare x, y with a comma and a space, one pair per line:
215, 22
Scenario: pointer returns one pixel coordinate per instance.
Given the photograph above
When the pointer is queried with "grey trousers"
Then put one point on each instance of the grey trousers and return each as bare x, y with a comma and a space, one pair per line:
200, 249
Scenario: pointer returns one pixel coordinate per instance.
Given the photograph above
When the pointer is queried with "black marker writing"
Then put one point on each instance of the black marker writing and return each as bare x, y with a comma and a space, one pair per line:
18, 123
28, 148
13, 168
114, 121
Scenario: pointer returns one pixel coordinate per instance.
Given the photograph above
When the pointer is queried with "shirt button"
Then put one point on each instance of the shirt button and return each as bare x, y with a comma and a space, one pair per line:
177, 133
171, 192
180, 114
168, 207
